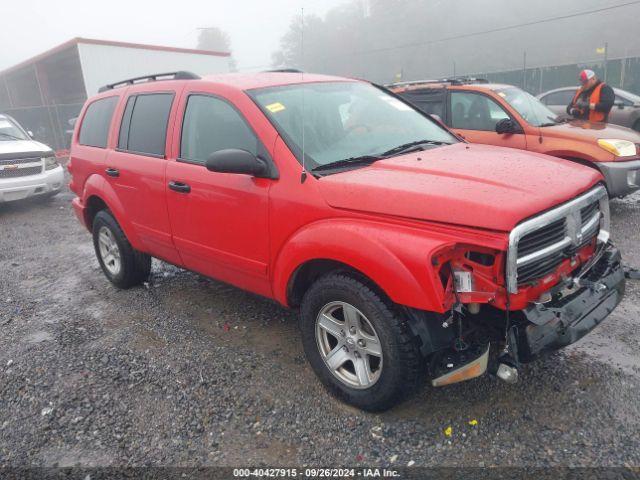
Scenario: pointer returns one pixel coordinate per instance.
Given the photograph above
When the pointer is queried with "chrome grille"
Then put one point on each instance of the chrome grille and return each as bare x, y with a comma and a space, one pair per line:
538, 246
20, 161
20, 172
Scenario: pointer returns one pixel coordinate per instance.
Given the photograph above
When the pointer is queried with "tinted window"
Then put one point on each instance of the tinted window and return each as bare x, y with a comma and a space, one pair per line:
95, 126
473, 111
211, 124
430, 101
148, 124
563, 97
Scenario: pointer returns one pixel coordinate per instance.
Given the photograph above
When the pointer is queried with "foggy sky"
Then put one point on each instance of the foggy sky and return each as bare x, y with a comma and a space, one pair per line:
30, 27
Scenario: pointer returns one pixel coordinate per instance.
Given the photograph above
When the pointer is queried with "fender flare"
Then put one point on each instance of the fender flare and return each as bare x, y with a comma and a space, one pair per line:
395, 258
97, 186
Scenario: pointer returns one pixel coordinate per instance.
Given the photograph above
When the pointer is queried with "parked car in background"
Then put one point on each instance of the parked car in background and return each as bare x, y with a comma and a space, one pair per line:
27, 168
625, 111
507, 116
407, 251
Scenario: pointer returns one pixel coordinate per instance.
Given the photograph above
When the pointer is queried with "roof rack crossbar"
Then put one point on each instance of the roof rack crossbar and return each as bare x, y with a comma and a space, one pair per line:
283, 70
452, 81
181, 75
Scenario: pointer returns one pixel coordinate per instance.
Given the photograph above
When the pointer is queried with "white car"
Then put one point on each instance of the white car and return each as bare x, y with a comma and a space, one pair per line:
27, 168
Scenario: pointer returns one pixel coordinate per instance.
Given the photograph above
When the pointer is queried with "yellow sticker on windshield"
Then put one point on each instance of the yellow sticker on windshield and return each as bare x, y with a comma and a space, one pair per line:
275, 107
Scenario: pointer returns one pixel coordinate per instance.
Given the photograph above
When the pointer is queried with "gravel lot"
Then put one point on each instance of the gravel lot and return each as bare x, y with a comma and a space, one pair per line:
187, 371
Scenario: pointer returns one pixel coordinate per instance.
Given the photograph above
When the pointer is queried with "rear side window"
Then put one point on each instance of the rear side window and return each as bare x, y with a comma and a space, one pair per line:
211, 124
94, 130
144, 124
430, 101
563, 97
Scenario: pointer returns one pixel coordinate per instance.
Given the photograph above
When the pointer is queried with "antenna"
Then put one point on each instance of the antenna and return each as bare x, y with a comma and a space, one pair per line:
303, 176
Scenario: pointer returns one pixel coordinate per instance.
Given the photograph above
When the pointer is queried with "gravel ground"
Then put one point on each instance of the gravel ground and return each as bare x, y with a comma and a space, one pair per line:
186, 371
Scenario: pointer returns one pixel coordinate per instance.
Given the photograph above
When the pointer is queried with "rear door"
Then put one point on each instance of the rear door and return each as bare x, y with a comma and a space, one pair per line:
621, 112
136, 168
474, 116
219, 221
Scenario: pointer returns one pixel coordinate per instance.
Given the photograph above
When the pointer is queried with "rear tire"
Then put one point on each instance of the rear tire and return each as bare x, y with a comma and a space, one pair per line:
336, 300
124, 266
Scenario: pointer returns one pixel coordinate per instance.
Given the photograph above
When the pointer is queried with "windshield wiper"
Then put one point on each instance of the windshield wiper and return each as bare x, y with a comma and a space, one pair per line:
411, 147
361, 160
554, 121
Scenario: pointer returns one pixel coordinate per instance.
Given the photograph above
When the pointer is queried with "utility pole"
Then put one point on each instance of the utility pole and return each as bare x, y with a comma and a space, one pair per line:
606, 61
524, 71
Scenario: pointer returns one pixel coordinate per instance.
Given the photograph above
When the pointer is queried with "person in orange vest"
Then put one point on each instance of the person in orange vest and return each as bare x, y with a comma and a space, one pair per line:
593, 100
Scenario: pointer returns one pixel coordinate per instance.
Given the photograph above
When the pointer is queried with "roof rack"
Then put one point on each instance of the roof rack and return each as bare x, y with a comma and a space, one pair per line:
284, 70
452, 81
182, 75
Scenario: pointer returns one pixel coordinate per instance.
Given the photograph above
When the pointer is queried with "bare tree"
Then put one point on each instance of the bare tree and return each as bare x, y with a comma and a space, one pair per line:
217, 40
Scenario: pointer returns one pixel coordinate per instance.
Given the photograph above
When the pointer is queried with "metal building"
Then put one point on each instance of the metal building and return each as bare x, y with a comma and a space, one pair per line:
45, 93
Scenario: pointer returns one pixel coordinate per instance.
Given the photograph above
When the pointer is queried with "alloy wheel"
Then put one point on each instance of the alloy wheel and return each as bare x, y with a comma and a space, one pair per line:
349, 345
109, 251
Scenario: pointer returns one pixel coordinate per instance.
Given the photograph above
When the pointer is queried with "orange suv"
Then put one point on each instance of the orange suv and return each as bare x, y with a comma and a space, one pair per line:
507, 116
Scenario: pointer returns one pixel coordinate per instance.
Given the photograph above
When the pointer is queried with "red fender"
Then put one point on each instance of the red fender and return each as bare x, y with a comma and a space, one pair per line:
97, 186
397, 258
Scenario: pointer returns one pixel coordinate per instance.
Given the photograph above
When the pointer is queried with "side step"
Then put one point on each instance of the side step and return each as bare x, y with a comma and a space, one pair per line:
471, 369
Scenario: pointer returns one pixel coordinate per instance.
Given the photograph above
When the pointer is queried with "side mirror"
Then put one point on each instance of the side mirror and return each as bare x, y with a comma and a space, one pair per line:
620, 105
30, 133
507, 126
234, 160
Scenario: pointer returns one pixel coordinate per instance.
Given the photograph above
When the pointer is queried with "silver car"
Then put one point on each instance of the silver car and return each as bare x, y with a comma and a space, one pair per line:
625, 111
27, 168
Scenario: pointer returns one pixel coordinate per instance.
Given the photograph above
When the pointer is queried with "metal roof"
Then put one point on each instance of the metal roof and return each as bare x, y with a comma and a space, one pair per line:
110, 43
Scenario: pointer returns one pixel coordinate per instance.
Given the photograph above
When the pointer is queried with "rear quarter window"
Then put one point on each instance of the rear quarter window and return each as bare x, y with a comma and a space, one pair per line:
94, 131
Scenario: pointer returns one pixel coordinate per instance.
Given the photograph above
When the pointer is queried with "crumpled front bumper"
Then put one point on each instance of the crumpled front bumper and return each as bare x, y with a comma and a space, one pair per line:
551, 326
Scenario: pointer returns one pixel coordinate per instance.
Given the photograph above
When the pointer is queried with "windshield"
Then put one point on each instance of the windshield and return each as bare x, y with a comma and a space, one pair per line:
10, 131
345, 120
532, 110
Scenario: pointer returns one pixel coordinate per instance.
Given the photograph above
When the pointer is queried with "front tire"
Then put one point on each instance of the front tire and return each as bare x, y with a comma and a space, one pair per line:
124, 266
361, 350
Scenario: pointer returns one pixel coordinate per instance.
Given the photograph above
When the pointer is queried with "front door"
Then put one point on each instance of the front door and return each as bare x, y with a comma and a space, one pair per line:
219, 221
474, 117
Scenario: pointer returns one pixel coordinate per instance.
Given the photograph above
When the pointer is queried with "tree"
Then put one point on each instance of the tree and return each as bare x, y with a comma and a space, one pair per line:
217, 40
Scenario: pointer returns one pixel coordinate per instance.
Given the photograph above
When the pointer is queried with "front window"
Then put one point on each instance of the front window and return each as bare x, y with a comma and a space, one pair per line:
10, 131
532, 110
475, 111
345, 120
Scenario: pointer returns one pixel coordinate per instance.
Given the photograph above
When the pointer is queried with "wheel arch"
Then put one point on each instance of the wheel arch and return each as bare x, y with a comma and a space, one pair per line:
99, 195
365, 249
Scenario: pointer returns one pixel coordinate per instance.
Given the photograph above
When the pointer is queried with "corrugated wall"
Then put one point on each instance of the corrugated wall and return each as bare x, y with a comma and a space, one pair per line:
45, 95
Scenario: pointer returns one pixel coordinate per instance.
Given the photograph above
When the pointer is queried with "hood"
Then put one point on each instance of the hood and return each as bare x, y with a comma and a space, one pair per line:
9, 147
472, 185
584, 130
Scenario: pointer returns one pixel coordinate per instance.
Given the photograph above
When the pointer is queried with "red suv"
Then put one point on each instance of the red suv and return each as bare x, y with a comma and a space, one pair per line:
408, 252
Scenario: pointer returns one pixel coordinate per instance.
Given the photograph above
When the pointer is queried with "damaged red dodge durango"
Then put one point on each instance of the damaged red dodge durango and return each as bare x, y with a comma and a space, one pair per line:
409, 253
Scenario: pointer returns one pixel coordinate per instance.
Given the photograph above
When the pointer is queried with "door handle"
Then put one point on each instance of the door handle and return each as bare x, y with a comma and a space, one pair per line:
112, 172
179, 187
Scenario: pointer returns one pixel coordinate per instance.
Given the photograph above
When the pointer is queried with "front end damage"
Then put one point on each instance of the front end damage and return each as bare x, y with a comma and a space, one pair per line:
558, 280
